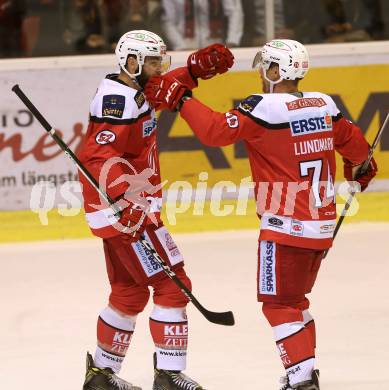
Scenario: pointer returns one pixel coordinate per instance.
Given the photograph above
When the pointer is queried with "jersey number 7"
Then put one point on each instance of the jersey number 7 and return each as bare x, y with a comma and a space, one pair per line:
317, 167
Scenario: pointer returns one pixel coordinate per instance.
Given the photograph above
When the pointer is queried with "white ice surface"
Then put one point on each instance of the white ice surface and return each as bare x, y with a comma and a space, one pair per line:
51, 293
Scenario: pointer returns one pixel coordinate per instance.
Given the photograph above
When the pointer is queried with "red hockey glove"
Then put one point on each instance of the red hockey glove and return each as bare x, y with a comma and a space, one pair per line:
134, 221
183, 75
165, 92
208, 62
363, 179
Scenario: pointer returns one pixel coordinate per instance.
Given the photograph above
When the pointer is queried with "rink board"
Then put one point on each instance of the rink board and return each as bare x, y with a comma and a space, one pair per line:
58, 288
19, 226
356, 75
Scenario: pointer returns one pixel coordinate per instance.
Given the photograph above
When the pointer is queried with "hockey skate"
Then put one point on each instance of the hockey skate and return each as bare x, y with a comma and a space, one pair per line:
103, 378
313, 384
172, 380
284, 380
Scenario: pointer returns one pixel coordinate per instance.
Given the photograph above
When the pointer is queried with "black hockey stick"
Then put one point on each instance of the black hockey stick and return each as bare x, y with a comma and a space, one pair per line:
360, 171
224, 318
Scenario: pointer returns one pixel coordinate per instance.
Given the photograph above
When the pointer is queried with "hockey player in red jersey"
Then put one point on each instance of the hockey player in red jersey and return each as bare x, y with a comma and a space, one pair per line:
291, 138
120, 151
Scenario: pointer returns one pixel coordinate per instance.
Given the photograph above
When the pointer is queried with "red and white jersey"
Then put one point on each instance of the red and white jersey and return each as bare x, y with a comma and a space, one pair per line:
291, 142
121, 125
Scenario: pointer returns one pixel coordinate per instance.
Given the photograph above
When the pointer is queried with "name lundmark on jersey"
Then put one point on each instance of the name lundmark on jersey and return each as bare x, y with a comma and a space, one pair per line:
313, 146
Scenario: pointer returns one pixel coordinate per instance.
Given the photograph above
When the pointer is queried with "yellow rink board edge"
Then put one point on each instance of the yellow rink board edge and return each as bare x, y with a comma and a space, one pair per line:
19, 226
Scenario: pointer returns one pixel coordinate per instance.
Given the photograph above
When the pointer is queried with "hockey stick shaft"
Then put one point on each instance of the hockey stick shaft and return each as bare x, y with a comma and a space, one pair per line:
361, 171
27, 102
223, 318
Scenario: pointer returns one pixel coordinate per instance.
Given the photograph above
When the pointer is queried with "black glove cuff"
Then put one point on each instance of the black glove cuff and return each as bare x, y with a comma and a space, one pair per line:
187, 95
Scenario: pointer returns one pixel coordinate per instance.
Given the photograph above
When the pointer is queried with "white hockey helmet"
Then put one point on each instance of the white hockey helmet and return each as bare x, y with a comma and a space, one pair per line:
291, 56
141, 44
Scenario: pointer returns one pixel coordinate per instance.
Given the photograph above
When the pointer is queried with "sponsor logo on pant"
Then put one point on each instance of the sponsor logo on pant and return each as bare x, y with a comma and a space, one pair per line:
267, 270
146, 259
169, 246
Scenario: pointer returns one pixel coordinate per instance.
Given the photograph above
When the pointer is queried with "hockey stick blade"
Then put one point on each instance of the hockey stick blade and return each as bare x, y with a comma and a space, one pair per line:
224, 318
220, 318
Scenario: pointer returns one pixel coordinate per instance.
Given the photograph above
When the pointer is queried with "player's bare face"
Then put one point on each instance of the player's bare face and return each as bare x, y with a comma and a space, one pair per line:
152, 67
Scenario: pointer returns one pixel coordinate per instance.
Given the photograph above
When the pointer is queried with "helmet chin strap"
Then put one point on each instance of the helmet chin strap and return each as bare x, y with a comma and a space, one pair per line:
271, 82
133, 76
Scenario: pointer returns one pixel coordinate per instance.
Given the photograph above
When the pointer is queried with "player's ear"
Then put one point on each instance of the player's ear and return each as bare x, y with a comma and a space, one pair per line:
275, 71
132, 64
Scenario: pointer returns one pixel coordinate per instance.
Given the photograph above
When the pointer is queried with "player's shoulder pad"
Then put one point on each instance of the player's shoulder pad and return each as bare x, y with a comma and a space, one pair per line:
257, 107
328, 103
249, 104
117, 103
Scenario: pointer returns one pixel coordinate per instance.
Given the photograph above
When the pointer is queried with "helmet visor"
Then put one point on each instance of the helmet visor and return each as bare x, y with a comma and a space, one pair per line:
162, 62
257, 60
166, 61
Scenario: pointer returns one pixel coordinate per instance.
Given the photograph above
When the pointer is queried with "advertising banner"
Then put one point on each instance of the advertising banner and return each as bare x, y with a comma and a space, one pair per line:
63, 94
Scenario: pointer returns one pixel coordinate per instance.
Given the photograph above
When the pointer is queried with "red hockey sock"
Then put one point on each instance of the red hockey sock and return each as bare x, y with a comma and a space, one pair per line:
308, 320
114, 332
309, 324
294, 341
169, 329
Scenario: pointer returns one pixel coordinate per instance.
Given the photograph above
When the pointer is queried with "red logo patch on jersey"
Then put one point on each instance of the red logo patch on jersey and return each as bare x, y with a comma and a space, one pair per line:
305, 102
232, 120
328, 119
105, 137
296, 228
